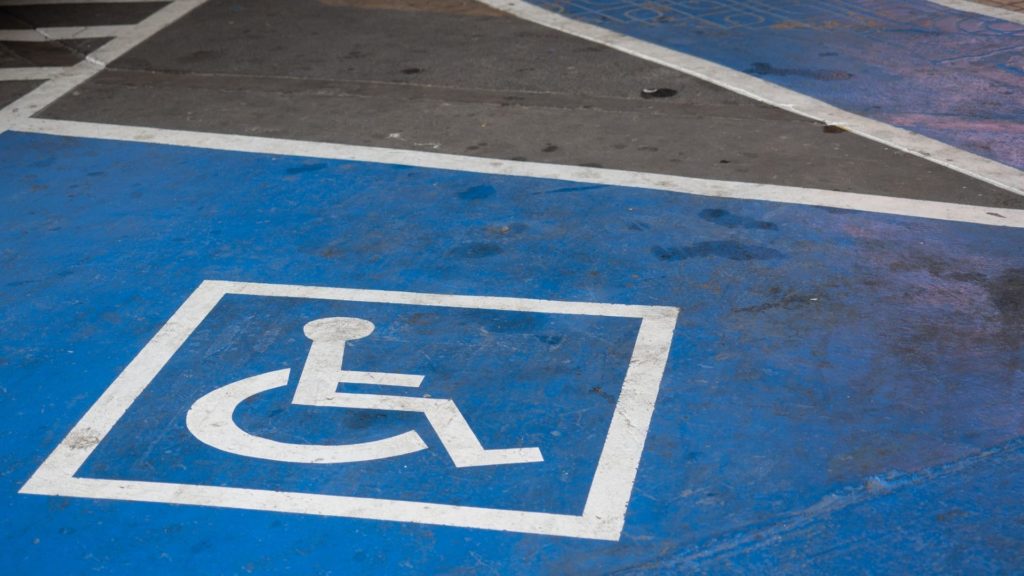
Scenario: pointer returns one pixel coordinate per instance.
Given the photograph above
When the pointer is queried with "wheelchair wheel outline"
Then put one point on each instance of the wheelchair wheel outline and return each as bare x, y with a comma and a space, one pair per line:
211, 421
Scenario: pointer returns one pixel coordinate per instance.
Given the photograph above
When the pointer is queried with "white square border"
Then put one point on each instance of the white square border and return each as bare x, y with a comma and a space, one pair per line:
604, 512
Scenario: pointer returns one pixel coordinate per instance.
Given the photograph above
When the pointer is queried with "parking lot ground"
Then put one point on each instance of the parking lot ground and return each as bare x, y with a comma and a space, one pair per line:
397, 286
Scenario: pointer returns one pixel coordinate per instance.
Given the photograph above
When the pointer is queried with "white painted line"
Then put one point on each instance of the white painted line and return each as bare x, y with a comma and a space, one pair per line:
83, 32
52, 2
104, 414
995, 173
62, 33
28, 35
983, 9
627, 434
325, 505
211, 421
447, 300
35, 73
603, 515
697, 186
73, 76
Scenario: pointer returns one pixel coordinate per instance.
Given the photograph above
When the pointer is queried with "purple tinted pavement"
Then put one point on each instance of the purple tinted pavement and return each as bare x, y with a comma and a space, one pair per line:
953, 76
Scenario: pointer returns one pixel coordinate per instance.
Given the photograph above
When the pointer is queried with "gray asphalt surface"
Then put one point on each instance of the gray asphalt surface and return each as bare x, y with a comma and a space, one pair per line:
452, 76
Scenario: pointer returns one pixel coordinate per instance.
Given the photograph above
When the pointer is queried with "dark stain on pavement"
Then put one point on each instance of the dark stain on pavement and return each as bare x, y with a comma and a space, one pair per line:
421, 318
550, 340
572, 189
598, 391
728, 249
766, 69
362, 419
332, 252
1007, 293
476, 250
730, 220
477, 192
648, 93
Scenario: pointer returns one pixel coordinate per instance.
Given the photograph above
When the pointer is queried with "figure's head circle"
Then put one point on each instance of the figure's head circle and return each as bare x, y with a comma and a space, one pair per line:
338, 328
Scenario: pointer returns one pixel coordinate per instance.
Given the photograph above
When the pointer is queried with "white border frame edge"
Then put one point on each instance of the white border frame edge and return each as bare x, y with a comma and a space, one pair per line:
982, 9
1012, 218
604, 512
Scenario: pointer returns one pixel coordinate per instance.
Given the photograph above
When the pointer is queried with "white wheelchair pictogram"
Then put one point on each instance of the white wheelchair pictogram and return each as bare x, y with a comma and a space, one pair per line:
211, 418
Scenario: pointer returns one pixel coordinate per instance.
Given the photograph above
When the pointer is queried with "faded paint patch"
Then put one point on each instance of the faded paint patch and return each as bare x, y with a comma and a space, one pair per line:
953, 76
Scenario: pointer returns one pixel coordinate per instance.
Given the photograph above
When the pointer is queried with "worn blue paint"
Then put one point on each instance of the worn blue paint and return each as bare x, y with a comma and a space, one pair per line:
843, 393
954, 76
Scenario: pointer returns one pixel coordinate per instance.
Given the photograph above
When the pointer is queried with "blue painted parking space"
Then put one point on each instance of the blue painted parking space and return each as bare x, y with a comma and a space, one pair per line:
545, 376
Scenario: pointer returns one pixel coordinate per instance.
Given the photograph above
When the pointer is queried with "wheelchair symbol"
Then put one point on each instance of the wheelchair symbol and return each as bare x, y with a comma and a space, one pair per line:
210, 419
